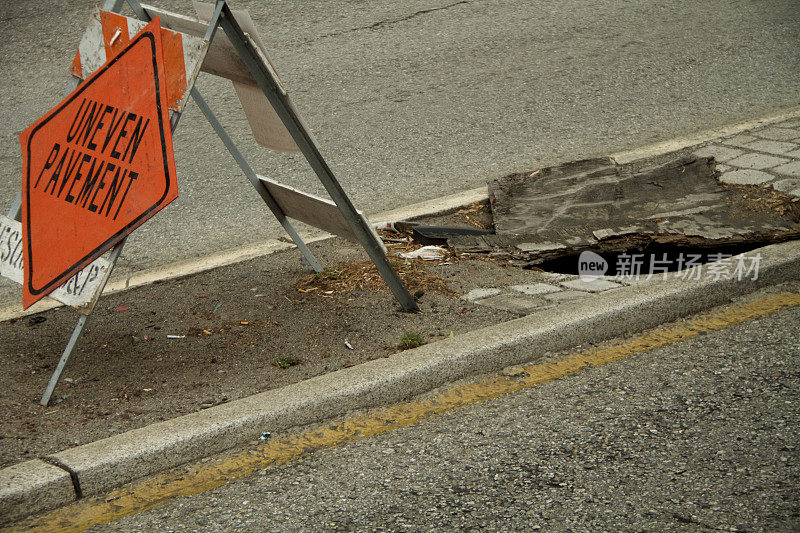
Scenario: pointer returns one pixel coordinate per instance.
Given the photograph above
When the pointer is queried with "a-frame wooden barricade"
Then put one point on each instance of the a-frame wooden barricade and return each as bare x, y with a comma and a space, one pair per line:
236, 54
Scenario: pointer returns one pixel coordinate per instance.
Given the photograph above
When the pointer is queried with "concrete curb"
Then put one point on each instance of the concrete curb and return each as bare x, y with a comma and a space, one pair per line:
33, 487
679, 143
109, 463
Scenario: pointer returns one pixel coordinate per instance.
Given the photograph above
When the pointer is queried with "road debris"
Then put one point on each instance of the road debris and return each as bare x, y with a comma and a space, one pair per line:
600, 206
426, 253
362, 276
438, 235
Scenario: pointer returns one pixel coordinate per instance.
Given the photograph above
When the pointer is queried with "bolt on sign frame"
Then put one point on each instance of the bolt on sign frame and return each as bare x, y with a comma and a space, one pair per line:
239, 56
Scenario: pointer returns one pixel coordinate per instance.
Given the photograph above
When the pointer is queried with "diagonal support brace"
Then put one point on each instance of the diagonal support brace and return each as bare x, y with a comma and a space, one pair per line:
290, 118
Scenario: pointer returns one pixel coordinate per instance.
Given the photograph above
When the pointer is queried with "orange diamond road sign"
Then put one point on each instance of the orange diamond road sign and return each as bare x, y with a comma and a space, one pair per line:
96, 166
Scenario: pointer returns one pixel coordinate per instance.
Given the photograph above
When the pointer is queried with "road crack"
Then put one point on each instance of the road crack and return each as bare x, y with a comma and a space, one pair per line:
389, 22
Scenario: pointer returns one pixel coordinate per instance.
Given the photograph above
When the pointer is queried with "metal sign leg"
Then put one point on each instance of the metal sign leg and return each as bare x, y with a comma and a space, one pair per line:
78, 331
251, 176
280, 102
15, 211
73, 340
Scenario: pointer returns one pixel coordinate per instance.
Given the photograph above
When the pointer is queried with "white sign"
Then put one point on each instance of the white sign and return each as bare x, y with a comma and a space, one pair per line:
77, 291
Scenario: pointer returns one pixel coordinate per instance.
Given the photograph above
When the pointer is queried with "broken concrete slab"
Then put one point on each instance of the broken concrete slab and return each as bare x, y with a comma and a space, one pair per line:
746, 177
539, 247
600, 206
479, 294
789, 169
757, 161
719, 153
772, 147
786, 185
565, 296
739, 140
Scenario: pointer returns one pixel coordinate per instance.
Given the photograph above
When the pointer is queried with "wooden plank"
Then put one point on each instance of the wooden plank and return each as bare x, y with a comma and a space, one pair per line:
221, 58
76, 292
268, 130
313, 210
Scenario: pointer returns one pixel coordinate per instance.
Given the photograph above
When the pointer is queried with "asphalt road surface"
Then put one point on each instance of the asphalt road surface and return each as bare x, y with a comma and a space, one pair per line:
696, 436
411, 100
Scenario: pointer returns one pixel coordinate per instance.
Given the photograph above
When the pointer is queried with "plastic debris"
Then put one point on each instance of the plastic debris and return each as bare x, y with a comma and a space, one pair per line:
349, 346
176, 336
265, 436
396, 227
122, 308
385, 226
216, 307
426, 253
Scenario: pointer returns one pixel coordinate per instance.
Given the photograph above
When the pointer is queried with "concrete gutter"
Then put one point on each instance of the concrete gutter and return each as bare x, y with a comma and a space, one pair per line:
93, 468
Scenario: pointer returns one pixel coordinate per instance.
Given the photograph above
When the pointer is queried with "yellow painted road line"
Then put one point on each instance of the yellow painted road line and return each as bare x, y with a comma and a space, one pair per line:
158, 489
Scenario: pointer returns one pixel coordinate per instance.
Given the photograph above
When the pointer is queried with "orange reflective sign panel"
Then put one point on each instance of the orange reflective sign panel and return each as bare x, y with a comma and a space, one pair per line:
96, 166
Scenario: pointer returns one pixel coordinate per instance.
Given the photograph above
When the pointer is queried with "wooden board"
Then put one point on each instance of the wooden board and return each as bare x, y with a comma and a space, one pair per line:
78, 291
223, 60
313, 210
268, 130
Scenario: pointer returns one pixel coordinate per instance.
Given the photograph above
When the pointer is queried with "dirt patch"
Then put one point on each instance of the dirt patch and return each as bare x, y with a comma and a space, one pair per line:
364, 276
157, 352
